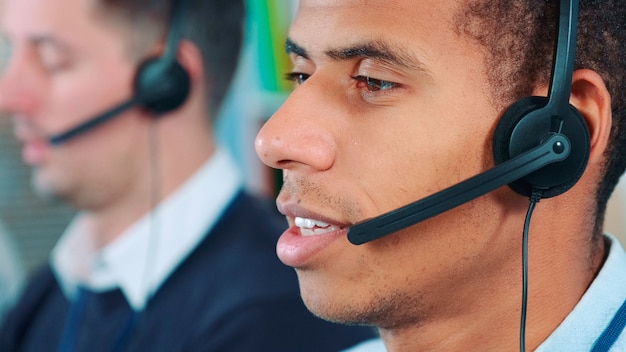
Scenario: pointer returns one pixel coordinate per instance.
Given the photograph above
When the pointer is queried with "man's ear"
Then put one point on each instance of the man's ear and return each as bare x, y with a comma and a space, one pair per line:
190, 57
591, 97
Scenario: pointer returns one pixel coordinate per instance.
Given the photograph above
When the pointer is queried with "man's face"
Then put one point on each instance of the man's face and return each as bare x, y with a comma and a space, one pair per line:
393, 105
66, 66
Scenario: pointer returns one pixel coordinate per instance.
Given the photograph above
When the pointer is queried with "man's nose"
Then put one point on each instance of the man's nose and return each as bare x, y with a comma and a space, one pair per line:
295, 136
19, 87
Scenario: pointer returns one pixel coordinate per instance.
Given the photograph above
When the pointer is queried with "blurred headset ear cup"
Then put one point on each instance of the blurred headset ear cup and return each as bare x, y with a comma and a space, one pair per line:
162, 85
526, 124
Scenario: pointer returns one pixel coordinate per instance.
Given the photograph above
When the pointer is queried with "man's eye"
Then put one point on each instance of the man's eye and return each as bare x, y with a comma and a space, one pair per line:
373, 84
55, 67
53, 59
297, 77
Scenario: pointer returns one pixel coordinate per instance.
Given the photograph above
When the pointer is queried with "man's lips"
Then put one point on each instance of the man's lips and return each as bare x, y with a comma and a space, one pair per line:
309, 234
298, 251
34, 142
34, 151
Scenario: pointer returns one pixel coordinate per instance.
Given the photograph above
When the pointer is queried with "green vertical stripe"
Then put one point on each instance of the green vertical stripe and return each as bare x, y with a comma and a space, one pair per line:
272, 20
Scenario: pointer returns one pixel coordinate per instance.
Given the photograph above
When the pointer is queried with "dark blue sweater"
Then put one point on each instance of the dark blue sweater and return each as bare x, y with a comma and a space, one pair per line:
230, 294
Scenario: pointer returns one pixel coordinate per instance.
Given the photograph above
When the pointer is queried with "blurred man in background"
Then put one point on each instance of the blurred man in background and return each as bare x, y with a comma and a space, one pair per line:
168, 252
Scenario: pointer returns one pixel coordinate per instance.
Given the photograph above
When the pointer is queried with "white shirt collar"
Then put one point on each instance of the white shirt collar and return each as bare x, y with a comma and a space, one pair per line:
143, 257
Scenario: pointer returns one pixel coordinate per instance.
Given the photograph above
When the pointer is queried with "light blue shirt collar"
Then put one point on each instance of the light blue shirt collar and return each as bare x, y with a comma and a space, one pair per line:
593, 313
595, 310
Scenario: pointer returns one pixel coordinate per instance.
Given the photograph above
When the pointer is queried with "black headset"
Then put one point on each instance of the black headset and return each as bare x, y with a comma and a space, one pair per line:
541, 144
161, 83
530, 121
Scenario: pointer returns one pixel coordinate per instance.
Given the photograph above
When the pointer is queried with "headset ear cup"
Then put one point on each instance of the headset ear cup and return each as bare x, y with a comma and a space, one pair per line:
508, 121
162, 85
525, 125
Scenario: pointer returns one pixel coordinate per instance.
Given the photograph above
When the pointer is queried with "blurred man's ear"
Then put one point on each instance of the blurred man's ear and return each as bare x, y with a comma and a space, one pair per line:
190, 57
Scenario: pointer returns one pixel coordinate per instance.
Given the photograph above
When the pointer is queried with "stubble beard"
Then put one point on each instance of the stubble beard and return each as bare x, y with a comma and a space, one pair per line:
387, 311
45, 188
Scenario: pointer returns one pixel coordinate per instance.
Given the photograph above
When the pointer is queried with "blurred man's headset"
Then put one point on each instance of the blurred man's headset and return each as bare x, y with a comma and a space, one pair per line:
161, 83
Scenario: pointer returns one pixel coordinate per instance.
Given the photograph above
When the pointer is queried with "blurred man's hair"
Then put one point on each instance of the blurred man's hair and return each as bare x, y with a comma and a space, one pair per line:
214, 26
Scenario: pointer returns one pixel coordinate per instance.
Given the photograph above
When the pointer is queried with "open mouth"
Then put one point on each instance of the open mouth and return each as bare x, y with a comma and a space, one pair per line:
310, 227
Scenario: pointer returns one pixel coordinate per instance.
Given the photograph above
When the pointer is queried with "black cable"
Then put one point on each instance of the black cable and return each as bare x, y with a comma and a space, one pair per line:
534, 199
138, 318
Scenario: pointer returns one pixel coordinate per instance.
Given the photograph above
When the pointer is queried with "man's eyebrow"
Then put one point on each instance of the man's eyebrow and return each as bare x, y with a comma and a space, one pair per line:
293, 48
377, 50
44, 40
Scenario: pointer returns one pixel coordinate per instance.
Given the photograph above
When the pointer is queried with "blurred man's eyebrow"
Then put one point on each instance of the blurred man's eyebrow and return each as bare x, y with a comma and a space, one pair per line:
377, 50
44, 40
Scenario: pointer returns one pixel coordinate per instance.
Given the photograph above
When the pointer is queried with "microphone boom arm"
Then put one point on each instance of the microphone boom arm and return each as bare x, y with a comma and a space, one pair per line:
61, 138
556, 148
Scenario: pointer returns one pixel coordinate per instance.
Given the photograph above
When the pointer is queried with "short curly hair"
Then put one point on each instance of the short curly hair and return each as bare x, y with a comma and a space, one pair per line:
519, 36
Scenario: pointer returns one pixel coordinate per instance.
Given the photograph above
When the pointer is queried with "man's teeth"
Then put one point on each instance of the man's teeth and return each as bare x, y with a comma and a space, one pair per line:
310, 223
309, 227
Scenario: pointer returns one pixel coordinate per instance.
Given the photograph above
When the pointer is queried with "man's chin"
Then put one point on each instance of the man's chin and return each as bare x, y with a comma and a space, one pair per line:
329, 309
46, 189
344, 317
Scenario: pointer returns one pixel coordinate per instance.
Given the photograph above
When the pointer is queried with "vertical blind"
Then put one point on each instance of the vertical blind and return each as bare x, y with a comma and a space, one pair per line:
33, 223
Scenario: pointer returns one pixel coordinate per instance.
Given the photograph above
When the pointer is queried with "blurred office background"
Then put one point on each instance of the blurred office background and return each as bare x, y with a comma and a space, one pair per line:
34, 225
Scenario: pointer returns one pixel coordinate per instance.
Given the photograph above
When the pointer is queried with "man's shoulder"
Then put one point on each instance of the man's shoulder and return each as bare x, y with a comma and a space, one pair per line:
40, 284
35, 301
253, 205
252, 218
238, 255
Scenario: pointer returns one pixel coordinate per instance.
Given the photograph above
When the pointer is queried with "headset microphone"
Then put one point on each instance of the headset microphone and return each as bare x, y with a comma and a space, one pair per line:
91, 123
540, 143
557, 148
161, 83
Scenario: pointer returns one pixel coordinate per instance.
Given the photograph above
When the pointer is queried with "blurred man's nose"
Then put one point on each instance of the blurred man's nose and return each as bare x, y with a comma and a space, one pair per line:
19, 84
